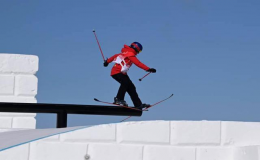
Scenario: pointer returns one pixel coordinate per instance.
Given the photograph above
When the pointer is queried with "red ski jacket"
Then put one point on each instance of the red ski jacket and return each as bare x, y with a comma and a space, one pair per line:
128, 54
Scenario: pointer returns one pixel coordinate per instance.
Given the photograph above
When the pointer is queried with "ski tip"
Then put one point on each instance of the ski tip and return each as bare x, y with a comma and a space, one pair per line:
96, 99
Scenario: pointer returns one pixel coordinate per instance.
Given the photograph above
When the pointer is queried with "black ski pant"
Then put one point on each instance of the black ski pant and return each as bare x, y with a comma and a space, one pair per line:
126, 85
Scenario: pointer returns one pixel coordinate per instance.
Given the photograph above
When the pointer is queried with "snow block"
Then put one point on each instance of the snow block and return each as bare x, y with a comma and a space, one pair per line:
5, 122
96, 133
24, 122
26, 85
11, 114
168, 153
16, 153
17, 63
214, 153
6, 85
144, 132
115, 152
246, 153
57, 151
195, 132
240, 133
17, 99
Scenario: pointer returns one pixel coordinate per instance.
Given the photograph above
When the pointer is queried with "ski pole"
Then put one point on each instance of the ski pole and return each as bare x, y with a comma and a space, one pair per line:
99, 44
144, 76
126, 118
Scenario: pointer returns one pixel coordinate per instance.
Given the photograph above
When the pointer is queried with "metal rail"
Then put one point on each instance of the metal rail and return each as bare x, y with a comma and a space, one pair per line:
62, 110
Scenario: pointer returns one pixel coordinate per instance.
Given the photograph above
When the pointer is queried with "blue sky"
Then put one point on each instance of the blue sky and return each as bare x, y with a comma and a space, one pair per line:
205, 52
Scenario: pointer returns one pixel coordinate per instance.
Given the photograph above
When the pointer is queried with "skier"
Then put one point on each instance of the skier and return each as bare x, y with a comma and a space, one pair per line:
123, 62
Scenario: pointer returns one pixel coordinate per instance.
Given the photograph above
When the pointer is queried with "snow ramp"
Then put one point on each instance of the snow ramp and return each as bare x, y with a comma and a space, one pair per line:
16, 138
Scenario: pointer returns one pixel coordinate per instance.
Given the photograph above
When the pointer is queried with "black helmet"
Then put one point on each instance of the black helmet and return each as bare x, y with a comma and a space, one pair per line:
137, 47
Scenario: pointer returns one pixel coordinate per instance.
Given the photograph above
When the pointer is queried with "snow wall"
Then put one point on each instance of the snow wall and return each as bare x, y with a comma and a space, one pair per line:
18, 83
147, 140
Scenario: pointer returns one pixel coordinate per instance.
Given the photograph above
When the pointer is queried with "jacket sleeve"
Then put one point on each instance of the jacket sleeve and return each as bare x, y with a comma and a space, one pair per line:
109, 60
138, 63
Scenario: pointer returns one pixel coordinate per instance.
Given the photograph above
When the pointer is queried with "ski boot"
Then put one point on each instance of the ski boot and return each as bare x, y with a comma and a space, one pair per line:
143, 106
120, 102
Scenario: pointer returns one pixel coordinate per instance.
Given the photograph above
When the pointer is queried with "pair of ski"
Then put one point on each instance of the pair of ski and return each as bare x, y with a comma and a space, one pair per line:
144, 109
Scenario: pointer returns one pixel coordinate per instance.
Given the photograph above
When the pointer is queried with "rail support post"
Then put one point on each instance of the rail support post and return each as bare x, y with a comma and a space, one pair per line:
62, 119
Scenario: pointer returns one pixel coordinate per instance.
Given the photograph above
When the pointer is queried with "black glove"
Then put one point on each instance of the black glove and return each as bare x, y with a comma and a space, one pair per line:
105, 63
151, 70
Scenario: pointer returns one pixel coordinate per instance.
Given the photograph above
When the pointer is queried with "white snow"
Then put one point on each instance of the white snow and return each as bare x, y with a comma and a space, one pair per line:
18, 83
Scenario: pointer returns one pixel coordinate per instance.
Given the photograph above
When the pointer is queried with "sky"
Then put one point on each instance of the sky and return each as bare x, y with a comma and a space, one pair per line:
205, 52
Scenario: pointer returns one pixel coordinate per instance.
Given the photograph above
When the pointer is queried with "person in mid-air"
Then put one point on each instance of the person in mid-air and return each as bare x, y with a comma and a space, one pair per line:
123, 62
